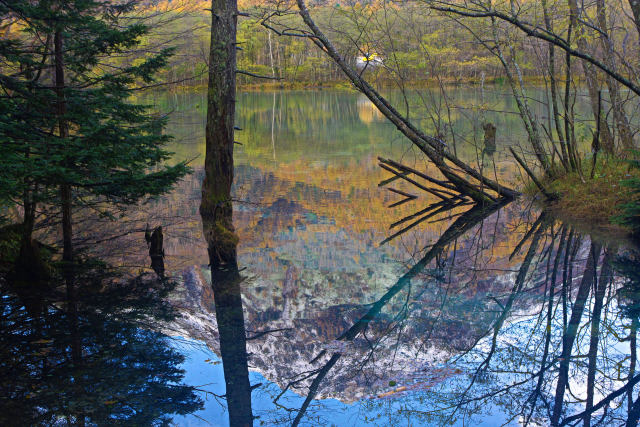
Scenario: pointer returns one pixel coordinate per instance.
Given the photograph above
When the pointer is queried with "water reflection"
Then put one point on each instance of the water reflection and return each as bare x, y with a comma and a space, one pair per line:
509, 316
89, 357
233, 351
471, 316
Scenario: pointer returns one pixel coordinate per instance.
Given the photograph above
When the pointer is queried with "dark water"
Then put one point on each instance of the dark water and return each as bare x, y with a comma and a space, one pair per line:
355, 313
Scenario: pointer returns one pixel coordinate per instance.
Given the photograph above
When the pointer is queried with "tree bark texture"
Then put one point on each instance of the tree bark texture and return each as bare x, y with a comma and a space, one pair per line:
215, 208
590, 77
217, 211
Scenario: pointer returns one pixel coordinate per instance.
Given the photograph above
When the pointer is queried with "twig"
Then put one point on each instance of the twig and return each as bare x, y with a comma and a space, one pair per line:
546, 193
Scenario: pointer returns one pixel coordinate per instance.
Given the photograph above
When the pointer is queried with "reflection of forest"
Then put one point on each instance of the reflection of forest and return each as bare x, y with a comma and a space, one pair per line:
335, 125
89, 356
320, 221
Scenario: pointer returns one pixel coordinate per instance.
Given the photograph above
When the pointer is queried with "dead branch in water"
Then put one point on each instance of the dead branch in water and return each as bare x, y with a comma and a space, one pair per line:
401, 171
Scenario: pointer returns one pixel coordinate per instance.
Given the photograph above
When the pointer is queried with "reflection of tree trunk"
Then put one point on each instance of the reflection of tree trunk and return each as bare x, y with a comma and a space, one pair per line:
633, 408
465, 222
634, 413
547, 341
633, 333
599, 290
313, 388
215, 207
233, 344
76, 345
517, 286
572, 329
273, 122
607, 400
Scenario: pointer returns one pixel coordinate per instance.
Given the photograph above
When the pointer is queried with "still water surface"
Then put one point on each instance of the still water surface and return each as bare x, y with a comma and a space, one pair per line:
358, 313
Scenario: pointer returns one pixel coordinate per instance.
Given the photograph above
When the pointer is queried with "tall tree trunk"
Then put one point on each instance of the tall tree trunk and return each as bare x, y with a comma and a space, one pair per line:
27, 250
217, 211
635, 9
617, 106
529, 120
554, 90
63, 132
591, 78
67, 230
215, 207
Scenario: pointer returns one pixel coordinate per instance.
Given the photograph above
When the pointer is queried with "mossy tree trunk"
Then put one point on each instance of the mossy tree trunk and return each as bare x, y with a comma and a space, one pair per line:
215, 207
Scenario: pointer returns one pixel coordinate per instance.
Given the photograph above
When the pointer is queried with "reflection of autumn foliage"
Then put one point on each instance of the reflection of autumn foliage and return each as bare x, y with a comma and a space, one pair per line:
330, 210
309, 196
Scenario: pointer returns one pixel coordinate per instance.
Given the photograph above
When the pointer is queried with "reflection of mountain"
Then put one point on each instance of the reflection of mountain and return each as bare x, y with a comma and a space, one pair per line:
310, 215
306, 325
310, 300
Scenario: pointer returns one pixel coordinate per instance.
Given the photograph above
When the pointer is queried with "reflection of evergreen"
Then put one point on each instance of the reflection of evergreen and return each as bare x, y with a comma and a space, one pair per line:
95, 360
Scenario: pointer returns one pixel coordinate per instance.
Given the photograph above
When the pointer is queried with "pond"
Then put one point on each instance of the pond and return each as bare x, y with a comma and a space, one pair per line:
360, 306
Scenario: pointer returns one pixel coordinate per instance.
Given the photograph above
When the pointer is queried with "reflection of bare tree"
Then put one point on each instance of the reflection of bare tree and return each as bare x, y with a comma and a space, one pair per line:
569, 335
536, 356
575, 345
465, 222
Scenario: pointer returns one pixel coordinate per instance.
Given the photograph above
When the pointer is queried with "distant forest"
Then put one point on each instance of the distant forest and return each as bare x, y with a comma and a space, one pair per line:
415, 44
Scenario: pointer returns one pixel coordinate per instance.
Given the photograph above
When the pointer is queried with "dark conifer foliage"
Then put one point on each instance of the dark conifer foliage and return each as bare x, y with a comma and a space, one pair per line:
66, 119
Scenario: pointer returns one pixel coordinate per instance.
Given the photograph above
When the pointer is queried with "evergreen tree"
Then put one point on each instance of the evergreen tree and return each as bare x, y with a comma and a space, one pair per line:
68, 131
630, 210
